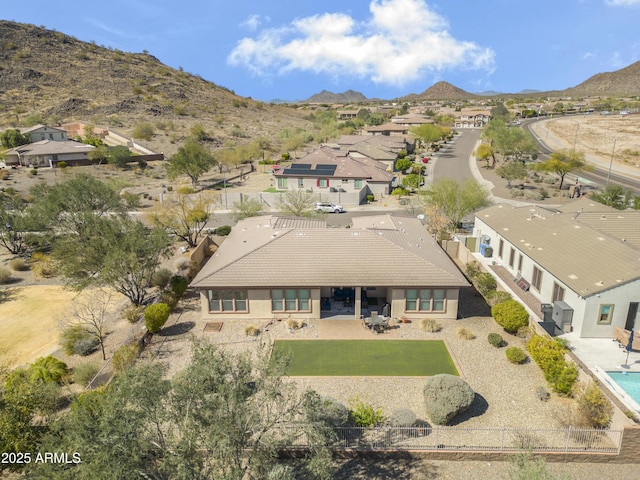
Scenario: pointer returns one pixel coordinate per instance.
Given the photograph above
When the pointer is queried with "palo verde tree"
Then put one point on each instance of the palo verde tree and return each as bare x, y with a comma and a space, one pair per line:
192, 160
513, 171
183, 215
512, 143
12, 138
14, 224
454, 201
563, 162
297, 203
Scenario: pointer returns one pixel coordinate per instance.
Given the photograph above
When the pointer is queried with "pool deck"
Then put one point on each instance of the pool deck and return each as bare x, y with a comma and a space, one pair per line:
604, 353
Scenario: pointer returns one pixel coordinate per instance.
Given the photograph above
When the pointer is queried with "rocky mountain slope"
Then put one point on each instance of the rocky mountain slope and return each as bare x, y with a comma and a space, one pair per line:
325, 96
55, 76
439, 91
623, 82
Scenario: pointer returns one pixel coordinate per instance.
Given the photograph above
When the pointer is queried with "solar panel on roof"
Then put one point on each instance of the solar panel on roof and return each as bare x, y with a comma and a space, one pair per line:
325, 168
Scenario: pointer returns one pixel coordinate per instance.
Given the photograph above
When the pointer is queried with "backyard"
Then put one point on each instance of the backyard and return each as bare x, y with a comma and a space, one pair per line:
393, 358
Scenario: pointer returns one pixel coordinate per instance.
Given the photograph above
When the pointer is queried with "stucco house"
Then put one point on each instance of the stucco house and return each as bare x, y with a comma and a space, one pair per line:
38, 133
583, 260
276, 267
47, 153
472, 118
332, 169
387, 129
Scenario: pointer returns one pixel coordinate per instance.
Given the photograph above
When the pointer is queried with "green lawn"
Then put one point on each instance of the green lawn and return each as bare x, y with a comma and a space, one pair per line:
392, 358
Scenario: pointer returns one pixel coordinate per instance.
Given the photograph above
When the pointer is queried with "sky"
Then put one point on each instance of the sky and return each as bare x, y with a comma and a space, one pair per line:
292, 49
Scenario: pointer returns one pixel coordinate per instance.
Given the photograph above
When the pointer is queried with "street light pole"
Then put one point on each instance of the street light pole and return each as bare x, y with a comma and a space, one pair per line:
611, 161
575, 138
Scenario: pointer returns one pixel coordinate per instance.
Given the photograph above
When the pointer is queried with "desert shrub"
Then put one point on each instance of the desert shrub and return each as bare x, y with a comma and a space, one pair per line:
77, 340
472, 269
143, 130
155, 316
515, 355
542, 394
48, 369
178, 285
495, 339
223, 230
371, 198
62, 164
124, 357
446, 396
169, 298
498, 296
160, 278
84, 373
133, 313
193, 268
33, 171
403, 417
524, 332
549, 355
42, 265
430, 325
185, 190
399, 191
251, 331
4, 174
465, 333
18, 265
365, 415
5, 275
293, 324
326, 410
403, 164
510, 315
485, 283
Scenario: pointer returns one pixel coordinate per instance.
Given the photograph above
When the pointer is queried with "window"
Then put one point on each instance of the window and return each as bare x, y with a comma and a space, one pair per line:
323, 182
290, 300
520, 262
228, 301
512, 256
357, 183
282, 182
425, 300
536, 280
605, 315
500, 248
300, 182
558, 293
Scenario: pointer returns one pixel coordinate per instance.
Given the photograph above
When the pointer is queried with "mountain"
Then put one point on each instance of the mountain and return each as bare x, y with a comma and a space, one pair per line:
54, 78
325, 96
623, 82
439, 91
489, 93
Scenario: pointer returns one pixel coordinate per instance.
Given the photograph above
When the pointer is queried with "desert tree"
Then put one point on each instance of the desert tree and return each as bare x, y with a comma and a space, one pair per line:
485, 152
454, 200
245, 208
14, 224
563, 162
297, 203
614, 195
512, 171
119, 156
183, 216
192, 159
12, 138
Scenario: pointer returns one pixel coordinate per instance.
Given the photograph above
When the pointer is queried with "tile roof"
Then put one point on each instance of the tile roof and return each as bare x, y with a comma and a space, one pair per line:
51, 147
583, 251
395, 252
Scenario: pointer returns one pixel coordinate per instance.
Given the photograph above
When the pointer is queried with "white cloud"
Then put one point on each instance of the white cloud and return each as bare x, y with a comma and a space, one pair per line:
253, 22
401, 41
588, 55
622, 3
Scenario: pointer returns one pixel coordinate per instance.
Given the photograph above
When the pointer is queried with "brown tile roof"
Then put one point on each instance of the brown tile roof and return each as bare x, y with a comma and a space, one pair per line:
258, 255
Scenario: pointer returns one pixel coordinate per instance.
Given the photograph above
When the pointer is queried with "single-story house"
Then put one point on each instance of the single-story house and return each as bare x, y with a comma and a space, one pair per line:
38, 133
47, 153
412, 120
583, 260
393, 143
275, 267
388, 129
333, 169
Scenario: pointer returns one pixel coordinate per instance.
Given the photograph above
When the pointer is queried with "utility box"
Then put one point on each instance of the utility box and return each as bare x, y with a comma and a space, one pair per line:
486, 250
562, 315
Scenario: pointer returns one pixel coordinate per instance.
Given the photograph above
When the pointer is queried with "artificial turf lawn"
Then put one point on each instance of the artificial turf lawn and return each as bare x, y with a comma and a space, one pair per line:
392, 358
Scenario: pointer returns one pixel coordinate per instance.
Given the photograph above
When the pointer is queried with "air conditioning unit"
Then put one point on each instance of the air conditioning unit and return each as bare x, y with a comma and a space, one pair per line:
562, 315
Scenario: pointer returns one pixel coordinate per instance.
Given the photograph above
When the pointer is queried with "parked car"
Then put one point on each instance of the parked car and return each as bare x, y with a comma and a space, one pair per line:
327, 207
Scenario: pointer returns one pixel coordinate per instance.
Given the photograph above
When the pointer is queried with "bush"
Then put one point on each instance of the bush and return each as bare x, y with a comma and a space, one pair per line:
85, 372
430, 325
160, 278
403, 164
77, 340
495, 339
497, 296
510, 315
485, 283
42, 265
542, 394
124, 357
465, 333
515, 355
223, 230
155, 316
33, 172
185, 190
399, 191
169, 298
251, 331
293, 324
402, 417
326, 410
365, 415
48, 369
446, 396
5, 275
18, 265
4, 174
133, 313
472, 269
61, 164
549, 355
178, 285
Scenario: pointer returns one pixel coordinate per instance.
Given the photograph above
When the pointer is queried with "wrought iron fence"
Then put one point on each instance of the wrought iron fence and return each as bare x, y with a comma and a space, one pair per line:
570, 440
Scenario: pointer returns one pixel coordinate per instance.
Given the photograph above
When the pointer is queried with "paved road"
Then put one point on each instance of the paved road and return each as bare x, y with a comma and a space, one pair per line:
453, 160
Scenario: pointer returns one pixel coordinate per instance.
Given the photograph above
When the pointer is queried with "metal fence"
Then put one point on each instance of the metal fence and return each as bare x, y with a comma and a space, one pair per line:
570, 440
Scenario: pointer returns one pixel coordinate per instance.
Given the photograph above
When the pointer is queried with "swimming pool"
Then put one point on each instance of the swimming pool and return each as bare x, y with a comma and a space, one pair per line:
629, 382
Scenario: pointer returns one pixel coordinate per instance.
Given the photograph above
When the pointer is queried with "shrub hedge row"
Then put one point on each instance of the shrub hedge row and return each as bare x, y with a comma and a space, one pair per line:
549, 354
